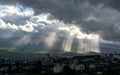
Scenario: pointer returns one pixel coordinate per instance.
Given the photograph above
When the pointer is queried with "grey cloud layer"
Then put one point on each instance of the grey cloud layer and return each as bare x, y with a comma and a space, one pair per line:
15, 19
99, 16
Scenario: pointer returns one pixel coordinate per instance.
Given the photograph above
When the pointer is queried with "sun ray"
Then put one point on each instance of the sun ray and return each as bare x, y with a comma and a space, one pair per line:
67, 44
24, 40
50, 39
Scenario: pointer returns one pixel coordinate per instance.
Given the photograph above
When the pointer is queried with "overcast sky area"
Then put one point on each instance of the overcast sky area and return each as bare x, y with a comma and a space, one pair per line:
59, 24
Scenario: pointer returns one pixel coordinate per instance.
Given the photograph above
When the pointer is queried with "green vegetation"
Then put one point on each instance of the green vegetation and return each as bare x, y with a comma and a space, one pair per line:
8, 48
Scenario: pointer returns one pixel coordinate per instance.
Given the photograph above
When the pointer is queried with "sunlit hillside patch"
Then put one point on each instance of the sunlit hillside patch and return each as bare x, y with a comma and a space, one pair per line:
8, 48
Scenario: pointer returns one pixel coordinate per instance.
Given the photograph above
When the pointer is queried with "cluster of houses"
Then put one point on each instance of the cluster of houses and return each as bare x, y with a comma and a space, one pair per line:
62, 65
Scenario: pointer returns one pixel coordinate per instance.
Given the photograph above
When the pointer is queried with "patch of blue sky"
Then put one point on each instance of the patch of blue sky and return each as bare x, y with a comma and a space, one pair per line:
2, 8
26, 11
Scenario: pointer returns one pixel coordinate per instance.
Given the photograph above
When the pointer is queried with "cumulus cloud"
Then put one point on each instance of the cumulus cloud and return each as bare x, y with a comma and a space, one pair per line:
95, 16
22, 19
15, 15
3, 25
29, 27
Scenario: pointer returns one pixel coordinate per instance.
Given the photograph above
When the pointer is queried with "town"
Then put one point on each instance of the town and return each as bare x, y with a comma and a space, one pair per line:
47, 64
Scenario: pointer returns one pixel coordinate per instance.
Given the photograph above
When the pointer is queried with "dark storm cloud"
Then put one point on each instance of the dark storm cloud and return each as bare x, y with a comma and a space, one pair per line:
53, 4
108, 3
100, 16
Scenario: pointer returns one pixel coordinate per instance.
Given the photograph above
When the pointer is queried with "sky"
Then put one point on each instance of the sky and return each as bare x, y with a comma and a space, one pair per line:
60, 25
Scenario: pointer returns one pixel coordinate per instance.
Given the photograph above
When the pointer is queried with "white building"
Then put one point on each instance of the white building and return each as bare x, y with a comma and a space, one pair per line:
58, 68
92, 67
80, 67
